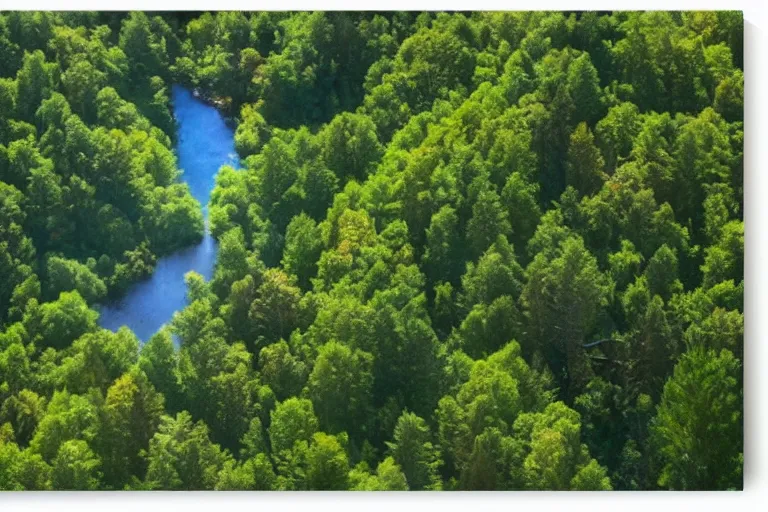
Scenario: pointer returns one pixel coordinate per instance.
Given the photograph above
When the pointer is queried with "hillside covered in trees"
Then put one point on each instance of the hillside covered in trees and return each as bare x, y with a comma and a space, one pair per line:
465, 251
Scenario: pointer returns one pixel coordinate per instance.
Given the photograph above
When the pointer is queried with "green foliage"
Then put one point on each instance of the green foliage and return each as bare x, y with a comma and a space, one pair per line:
158, 360
556, 459
414, 452
68, 417
340, 387
489, 250
349, 146
698, 445
75, 467
251, 131
327, 465
67, 275
488, 221
283, 372
303, 245
181, 456
585, 164
274, 310
35, 78
592, 477
388, 477
22, 469
563, 297
584, 90
254, 474
132, 415
60, 322
291, 421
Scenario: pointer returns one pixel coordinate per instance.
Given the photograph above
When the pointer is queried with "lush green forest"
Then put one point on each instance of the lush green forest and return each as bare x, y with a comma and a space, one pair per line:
465, 251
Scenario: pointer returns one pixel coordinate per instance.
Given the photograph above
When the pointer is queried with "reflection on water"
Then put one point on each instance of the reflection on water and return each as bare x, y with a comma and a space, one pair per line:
205, 143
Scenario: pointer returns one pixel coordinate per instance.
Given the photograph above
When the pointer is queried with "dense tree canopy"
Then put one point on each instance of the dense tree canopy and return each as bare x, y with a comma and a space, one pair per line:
465, 251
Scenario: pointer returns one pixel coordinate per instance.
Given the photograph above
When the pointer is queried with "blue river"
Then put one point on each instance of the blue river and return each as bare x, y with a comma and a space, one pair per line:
204, 144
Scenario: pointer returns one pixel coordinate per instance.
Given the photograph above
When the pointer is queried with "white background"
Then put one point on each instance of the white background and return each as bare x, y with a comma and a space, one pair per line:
755, 495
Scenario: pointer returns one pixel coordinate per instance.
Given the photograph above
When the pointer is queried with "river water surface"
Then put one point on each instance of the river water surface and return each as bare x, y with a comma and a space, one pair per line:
204, 143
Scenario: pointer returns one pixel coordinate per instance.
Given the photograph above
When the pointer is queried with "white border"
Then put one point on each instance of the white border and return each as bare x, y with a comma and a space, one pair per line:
755, 495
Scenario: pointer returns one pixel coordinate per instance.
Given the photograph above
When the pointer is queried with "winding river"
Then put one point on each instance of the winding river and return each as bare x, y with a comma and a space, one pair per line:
204, 144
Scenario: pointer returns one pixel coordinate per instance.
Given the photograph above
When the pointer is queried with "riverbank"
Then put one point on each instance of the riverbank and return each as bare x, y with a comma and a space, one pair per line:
222, 105
205, 142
